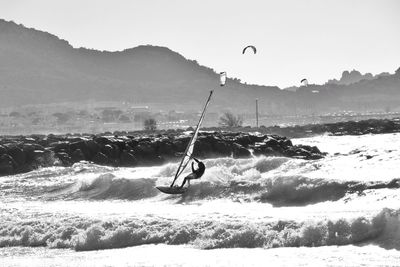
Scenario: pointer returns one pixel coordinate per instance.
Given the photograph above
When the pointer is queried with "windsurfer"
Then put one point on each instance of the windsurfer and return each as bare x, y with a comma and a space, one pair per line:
196, 173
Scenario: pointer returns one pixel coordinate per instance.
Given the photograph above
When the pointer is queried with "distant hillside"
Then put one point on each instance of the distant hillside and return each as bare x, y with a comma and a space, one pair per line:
355, 76
37, 67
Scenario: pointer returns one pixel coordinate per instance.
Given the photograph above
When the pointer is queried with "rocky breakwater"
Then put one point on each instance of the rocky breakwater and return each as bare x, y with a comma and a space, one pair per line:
371, 126
25, 153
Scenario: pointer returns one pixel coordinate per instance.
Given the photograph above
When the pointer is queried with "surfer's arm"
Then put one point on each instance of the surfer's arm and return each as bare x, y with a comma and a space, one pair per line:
196, 160
193, 167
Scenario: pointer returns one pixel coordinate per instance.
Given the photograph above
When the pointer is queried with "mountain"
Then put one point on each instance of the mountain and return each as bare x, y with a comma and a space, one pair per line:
355, 76
39, 68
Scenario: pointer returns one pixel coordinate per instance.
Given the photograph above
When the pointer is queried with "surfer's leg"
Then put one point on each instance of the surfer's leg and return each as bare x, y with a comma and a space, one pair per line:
184, 182
187, 178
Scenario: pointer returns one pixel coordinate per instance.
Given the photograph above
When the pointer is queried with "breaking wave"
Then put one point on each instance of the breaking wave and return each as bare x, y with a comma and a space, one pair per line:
245, 179
292, 203
107, 186
82, 234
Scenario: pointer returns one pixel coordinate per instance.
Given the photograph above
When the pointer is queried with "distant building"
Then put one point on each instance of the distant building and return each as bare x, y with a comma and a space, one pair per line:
139, 109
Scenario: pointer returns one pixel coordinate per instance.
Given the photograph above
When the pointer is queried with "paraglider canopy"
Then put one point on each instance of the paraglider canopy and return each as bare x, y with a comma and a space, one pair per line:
222, 78
304, 82
252, 47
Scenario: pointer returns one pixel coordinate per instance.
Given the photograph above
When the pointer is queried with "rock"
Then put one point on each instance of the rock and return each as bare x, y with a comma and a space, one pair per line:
17, 154
111, 151
222, 148
60, 146
101, 159
29, 150
77, 155
49, 157
285, 143
6, 165
291, 152
120, 143
38, 157
82, 146
164, 147
179, 146
74, 139
243, 140
262, 149
240, 152
29, 153
273, 143
312, 149
93, 149
128, 159
102, 140
315, 156
257, 138
3, 150
133, 143
202, 148
64, 158
145, 149
304, 152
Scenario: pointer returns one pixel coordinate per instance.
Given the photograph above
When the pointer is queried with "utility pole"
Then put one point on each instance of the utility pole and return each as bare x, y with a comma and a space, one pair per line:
257, 113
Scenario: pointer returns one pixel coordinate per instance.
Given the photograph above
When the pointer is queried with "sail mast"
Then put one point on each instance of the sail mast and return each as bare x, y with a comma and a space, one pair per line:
189, 149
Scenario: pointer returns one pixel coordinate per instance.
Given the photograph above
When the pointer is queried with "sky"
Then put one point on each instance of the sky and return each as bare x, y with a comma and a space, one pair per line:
295, 39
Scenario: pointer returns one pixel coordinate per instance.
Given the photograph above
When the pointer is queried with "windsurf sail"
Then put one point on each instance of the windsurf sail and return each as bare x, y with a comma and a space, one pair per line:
187, 156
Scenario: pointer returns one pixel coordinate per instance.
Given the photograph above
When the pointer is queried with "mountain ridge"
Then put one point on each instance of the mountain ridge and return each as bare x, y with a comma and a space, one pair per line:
37, 67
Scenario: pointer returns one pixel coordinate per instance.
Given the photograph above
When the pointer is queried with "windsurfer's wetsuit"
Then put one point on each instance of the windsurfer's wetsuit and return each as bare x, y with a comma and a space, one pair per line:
196, 174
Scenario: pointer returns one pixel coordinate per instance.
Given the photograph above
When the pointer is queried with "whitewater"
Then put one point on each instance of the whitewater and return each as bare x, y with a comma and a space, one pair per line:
342, 210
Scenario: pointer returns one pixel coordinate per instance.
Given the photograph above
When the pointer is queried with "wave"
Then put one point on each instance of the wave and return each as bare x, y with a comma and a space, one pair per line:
299, 190
284, 190
107, 186
235, 179
280, 191
89, 181
83, 234
49, 182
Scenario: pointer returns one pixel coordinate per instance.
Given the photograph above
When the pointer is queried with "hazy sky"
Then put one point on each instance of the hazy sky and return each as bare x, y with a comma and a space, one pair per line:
296, 39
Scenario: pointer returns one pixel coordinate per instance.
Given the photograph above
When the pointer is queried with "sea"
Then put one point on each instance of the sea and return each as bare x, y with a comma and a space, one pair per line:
342, 210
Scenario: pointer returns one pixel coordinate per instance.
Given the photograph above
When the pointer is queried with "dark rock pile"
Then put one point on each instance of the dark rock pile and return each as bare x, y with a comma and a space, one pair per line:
371, 126
22, 154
